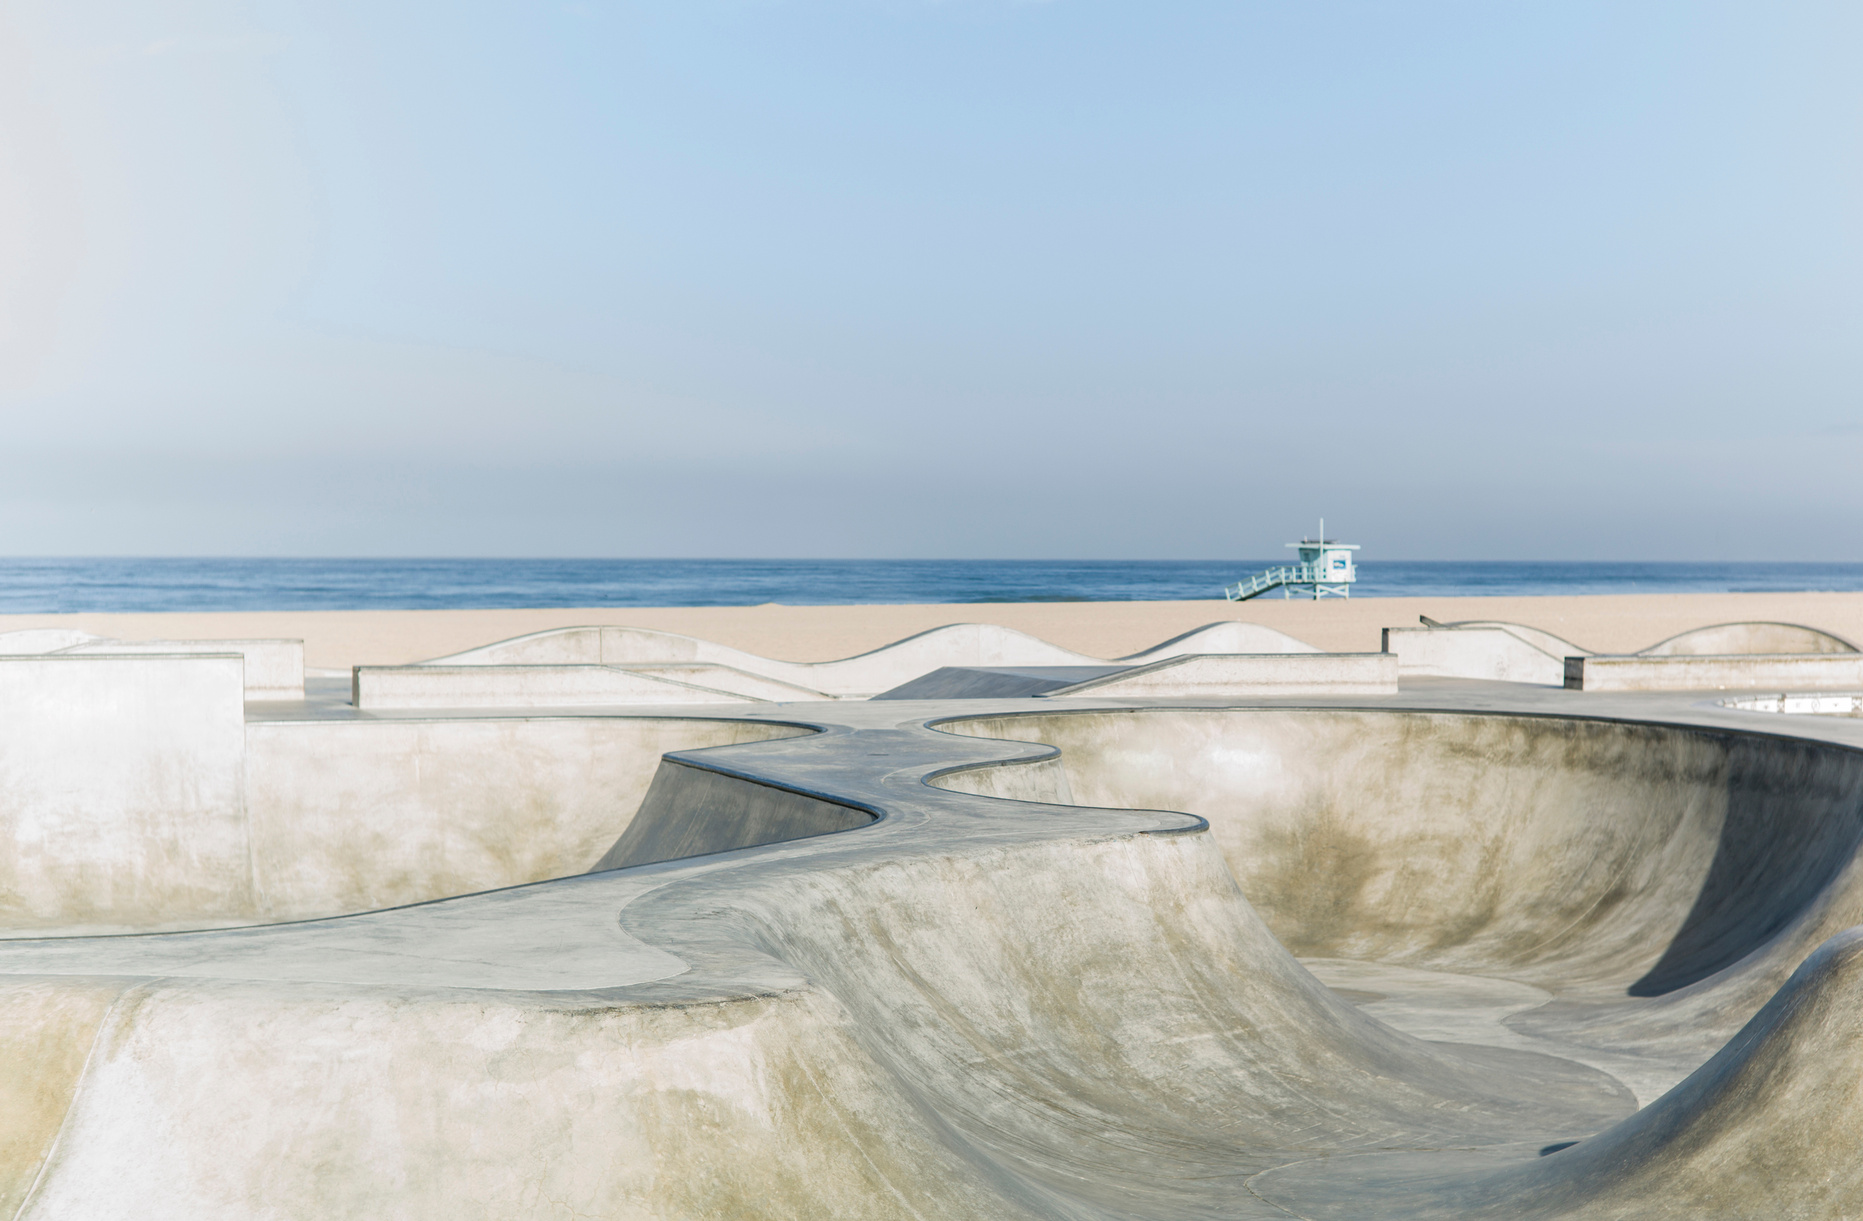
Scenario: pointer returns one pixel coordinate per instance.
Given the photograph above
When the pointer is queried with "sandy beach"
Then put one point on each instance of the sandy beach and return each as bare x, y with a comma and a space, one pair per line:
339, 639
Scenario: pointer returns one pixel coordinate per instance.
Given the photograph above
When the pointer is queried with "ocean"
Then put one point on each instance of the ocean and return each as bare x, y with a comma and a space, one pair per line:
41, 585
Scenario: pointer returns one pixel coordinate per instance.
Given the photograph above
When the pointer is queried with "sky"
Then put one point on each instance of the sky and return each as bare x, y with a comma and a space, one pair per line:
931, 278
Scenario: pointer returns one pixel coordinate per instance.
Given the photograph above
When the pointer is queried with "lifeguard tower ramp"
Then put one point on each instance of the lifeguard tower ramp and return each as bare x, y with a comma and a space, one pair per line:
1325, 570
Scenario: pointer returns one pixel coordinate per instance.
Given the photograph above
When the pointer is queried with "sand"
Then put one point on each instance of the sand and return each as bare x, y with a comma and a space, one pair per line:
340, 639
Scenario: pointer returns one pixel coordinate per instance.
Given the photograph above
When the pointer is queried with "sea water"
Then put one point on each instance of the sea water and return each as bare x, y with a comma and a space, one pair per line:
126, 584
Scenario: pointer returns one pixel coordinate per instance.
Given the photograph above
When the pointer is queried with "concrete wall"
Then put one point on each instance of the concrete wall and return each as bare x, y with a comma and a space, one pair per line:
133, 795
1685, 672
350, 815
121, 800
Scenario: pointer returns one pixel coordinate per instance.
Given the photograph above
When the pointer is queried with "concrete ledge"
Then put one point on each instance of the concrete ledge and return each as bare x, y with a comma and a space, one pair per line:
274, 668
503, 686
1713, 673
1218, 675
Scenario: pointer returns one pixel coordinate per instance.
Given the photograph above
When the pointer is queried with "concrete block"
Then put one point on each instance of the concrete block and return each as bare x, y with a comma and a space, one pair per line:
121, 791
1492, 653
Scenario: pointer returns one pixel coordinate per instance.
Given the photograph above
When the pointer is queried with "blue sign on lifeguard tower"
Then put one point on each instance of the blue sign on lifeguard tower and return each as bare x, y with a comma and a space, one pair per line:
1325, 569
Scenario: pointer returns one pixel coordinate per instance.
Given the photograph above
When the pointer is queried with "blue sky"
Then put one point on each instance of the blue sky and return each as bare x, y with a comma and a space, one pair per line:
931, 278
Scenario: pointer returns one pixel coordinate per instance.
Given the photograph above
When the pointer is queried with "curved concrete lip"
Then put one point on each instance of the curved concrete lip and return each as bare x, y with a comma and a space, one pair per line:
982, 1000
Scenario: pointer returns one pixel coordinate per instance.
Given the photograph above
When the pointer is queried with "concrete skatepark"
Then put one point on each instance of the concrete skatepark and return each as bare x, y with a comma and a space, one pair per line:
612, 922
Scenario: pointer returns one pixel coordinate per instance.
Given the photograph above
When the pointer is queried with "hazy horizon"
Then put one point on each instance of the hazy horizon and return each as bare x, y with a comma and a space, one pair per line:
931, 278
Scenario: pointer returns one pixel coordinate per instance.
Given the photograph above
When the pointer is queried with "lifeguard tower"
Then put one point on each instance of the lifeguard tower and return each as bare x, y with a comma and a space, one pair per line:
1325, 569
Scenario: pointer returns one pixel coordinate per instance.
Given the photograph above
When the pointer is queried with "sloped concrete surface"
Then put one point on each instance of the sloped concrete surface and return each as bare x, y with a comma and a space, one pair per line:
1470, 949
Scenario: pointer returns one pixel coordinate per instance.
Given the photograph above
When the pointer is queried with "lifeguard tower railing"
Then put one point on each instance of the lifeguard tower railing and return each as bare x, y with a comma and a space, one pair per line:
1284, 577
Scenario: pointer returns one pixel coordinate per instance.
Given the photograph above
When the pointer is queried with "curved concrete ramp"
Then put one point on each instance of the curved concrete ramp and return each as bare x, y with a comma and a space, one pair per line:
1768, 1127
1598, 861
1467, 953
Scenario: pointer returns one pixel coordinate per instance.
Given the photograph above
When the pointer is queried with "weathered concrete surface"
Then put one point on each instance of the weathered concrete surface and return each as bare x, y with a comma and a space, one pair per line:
1020, 992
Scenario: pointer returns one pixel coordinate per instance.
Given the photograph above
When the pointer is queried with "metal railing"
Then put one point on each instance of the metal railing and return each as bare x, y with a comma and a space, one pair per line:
1275, 578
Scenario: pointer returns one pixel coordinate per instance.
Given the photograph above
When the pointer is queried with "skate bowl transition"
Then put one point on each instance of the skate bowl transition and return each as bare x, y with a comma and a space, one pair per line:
1471, 949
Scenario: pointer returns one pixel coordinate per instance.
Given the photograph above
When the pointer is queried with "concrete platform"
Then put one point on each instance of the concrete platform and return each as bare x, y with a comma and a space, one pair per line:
1470, 949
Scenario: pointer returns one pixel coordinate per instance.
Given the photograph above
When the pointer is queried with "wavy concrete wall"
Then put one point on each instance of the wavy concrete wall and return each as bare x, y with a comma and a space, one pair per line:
1739, 655
705, 664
